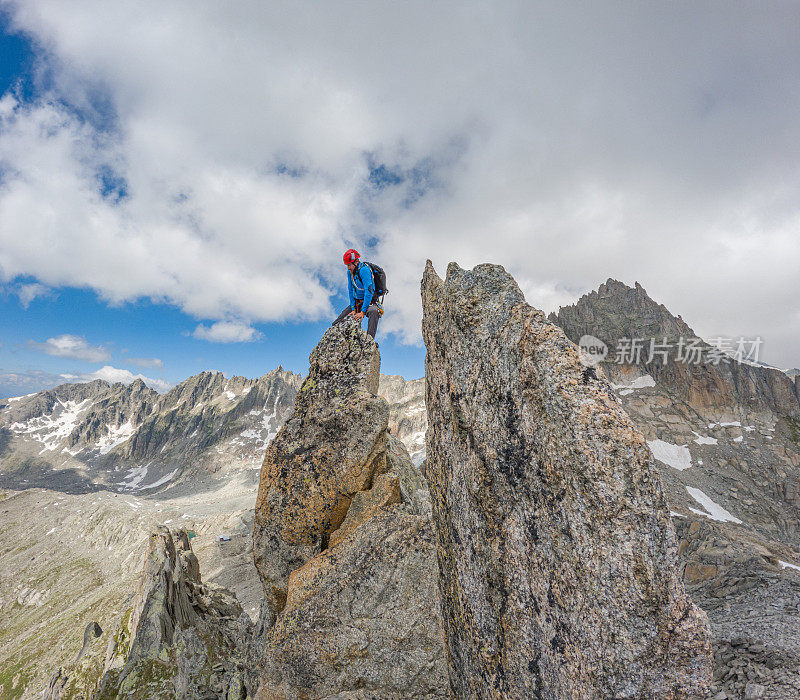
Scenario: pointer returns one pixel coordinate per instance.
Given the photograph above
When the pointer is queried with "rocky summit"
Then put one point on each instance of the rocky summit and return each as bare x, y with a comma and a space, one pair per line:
344, 544
326, 453
556, 552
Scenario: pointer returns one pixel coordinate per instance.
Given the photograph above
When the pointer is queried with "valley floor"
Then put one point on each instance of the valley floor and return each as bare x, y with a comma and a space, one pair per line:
71, 559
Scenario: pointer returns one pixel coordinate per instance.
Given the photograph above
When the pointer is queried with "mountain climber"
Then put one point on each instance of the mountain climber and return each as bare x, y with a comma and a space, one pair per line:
363, 296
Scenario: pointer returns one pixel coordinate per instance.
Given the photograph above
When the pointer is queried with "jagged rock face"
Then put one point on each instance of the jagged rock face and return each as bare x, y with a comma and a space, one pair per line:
363, 616
212, 408
182, 638
753, 600
746, 460
729, 430
726, 440
617, 311
344, 544
555, 547
81, 437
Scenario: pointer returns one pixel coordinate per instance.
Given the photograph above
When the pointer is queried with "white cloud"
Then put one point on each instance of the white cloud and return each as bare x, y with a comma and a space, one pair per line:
28, 292
227, 332
147, 362
27, 382
73, 346
114, 374
569, 142
32, 381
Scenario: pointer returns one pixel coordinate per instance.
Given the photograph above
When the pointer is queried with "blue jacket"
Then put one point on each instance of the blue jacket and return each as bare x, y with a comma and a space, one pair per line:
361, 286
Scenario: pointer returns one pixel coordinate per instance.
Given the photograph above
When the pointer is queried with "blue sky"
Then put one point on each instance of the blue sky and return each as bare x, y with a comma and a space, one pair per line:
16, 59
177, 175
142, 329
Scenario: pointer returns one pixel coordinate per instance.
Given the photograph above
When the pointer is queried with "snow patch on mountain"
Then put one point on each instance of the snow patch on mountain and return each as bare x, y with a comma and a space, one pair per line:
643, 382
135, 476
163, 480
116, 435
676, 456
704, 439
19, 398
714, 510
51, 429
269, 425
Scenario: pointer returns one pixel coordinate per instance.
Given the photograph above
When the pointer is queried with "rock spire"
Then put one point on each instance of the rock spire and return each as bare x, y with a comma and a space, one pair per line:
554, 541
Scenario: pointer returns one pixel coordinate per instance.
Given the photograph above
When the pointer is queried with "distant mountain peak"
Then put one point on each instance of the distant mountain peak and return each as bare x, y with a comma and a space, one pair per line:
617, 311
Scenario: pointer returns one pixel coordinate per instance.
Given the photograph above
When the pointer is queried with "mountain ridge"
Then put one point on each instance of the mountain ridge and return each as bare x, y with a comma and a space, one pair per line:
724, 440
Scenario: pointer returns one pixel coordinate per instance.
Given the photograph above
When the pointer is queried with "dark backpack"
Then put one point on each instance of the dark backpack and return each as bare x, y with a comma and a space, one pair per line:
379, 278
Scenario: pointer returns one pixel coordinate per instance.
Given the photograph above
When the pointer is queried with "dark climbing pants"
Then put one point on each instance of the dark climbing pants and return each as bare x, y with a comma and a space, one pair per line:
373, 313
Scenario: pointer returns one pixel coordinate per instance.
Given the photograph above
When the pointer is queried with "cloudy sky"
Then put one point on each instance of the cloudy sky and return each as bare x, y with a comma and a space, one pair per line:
178, 180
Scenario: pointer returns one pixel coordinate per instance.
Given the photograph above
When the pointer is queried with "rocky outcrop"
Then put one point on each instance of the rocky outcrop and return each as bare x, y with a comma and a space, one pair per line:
555, 547
752, 596
616, 312
363, 617
328, 451
728, 432
344, 544
181, 638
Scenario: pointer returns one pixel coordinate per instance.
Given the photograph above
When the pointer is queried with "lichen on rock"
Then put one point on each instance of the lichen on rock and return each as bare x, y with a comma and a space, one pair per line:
344, 544
554, 542
328, 451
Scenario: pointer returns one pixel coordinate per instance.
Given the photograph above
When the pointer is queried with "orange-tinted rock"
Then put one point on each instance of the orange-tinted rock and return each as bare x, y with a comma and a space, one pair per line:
362, 618
329, 450
344, 545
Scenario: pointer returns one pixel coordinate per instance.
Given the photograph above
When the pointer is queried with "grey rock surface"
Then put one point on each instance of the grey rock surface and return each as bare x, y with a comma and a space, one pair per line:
362, 616
344, 544
555, 547
329, 450
408, 418
617, 311
85, 437
71, 555
180, 638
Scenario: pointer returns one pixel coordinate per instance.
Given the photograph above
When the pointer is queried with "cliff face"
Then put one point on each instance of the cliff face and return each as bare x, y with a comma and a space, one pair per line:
616, 311
555, 547
71, 554
327, 452
726, 439
343, 543
408, 419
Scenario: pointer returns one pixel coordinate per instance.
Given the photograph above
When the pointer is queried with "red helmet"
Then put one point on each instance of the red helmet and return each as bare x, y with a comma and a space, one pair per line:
350, 256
